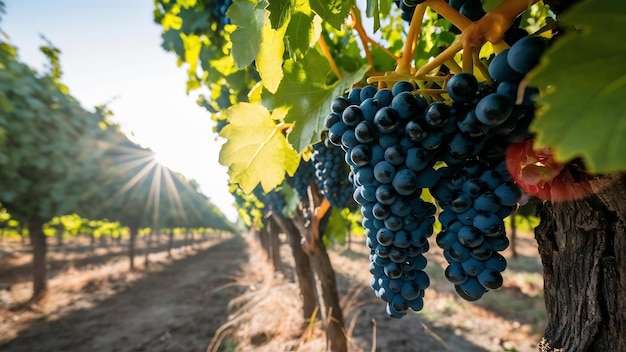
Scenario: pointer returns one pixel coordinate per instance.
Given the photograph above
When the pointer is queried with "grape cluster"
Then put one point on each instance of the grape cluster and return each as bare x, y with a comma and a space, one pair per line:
302, 178
397, 144
331, 174
474, 199
389, 172
272, 200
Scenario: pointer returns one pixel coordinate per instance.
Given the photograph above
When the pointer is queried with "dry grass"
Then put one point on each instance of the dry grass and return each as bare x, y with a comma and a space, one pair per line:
267, 311
268, 316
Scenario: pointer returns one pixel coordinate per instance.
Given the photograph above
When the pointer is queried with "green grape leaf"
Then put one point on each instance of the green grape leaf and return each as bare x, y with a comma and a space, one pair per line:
256, 150
305, 92
291, 199
337, 228
302, 32
280, 12
270, 59
372, 10
583, 113
332, 11
249, 19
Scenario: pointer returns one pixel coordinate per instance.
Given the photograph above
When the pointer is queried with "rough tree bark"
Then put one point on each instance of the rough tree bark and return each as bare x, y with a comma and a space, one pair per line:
264, 237
274, 245
59, 235
304, 272
332, 314
40, 247
170, 242
134, 229
582, 244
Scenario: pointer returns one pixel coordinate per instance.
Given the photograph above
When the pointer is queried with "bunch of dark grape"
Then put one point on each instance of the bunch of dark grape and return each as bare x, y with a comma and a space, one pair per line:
389, 172
302, 178
331, 174
397, 144
272, 200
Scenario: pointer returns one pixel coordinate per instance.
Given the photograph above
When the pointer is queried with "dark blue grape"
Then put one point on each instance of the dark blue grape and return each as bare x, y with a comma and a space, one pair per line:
470, 236
490, 278
500, 70
472, 289
455, 273
360, 155
384, 172
339, 104
354, 96
509, 193
462, 87
405, 182
365, 132
526, 53
367, 92
494, 109
386, 120
384, 97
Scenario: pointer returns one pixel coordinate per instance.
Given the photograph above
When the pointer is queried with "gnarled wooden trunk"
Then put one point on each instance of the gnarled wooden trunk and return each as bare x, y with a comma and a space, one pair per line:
582, 244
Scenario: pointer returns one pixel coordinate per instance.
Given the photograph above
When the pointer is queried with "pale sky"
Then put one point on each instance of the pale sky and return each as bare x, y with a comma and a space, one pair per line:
111, 54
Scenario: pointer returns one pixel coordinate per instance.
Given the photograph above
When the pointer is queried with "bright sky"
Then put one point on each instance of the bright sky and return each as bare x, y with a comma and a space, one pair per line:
111, 54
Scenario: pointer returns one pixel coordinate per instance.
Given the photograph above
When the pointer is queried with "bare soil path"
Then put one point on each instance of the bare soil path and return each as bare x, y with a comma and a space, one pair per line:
175, 306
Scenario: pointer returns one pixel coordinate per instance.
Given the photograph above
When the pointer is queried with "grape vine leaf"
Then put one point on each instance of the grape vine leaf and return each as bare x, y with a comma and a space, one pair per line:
270, 58
332, 11
302, 32
256, 150
280, 12
306, 93
249, 17
583, 112
336, 228
372, 10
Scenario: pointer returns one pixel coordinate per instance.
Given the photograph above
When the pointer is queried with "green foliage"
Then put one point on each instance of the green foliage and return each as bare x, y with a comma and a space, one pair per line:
336, 228
256, 151
57, 158
585, 74
315, 104
273, 73
48, 142
249, 17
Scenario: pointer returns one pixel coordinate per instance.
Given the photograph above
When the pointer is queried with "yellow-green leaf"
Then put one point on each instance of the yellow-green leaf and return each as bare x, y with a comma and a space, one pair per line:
256, 150
171, 21
269, 62
192, 44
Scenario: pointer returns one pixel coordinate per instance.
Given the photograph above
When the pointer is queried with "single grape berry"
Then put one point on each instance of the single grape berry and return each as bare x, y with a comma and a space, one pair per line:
462, 87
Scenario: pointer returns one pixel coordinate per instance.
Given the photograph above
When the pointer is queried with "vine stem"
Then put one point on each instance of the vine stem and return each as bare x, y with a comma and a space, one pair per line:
445, 55
366, 40
449, 13
329, 57
481, 67
504, 14
404, 65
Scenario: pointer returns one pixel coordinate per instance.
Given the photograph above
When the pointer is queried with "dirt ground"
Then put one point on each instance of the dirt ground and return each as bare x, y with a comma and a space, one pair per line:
174, 306
224, 295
